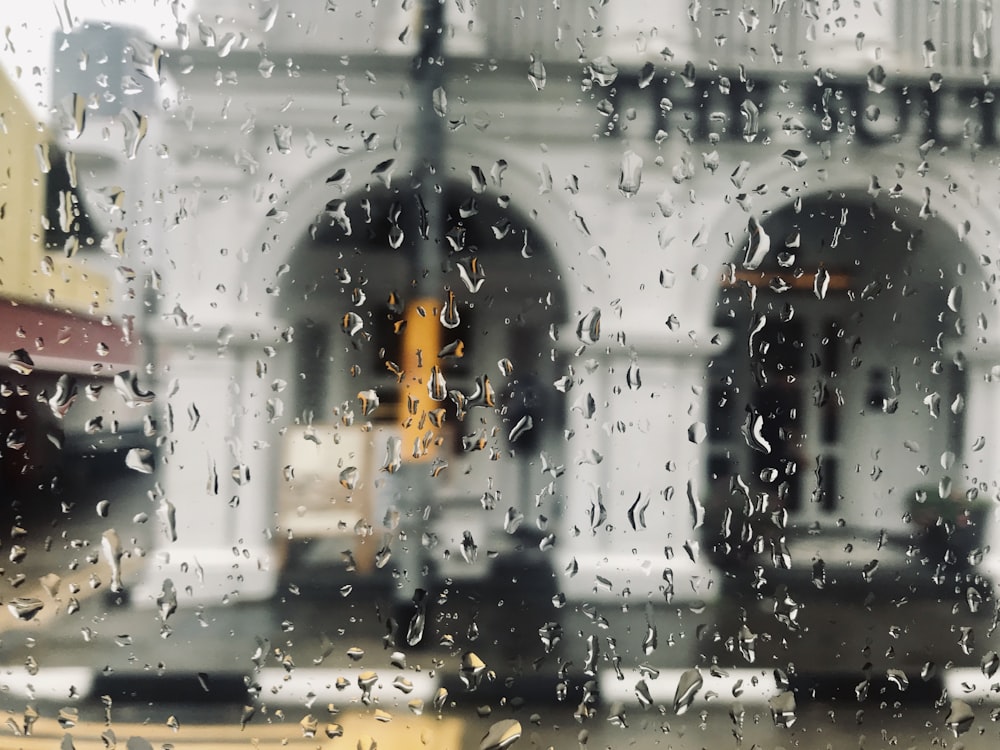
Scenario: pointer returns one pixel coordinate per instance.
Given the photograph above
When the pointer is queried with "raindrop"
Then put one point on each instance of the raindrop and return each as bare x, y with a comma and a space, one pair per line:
630, 175
821, 283
127, 385
536, 73
588, 329
471, 671
751, 120
603, 71
349, 478
440, 101
960, 717
64, 396
688, 686
140, 460
25, 607
501, 735
758, 245
111, 547
20, 362
783, 709
697, 433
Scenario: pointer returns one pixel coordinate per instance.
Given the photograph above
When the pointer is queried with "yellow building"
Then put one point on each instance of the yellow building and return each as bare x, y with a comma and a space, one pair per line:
31, 216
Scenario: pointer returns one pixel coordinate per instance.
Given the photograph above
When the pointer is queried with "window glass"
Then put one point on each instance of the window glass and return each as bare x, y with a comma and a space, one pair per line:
575, 373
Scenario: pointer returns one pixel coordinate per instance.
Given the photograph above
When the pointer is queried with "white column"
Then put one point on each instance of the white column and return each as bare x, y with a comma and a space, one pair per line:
647, 434
217, 477
981, 444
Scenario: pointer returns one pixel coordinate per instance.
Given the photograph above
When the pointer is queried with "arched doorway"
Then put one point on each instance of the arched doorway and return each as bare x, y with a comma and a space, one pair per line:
838, 416
843, 389
343, 293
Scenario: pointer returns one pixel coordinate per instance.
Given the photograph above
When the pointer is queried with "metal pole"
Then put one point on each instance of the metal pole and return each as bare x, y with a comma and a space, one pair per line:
422, 335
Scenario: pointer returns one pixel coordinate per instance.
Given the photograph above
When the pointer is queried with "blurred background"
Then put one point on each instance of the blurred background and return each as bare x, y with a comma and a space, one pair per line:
568, 360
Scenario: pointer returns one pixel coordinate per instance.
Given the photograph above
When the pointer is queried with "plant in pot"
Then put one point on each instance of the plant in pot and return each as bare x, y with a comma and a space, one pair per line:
951, 523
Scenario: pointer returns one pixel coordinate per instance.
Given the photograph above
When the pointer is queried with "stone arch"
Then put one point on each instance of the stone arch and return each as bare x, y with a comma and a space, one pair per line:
835, 406
344, 253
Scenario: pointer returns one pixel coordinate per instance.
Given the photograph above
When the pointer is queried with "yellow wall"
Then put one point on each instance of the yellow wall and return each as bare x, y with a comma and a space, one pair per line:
22, 205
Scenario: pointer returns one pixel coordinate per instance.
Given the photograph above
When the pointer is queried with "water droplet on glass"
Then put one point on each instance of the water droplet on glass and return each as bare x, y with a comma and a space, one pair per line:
393, 455
140, 460
64, 396
821, 283
758, 245
471, 671
127, 385
21, 362
501, 735
688, 686
25, 607
536, 73
111, 547
989, 664
588, 329
283, 138
751, 120
603, 71
630, 174
697, 433
960, 717
349, 477
783, 709
440, 101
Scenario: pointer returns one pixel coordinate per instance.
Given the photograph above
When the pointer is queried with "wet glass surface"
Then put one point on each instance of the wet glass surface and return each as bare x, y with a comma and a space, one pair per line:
584, 373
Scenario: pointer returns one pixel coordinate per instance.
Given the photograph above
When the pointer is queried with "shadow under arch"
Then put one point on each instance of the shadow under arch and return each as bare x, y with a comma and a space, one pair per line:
838, 409
343, 292
847, 318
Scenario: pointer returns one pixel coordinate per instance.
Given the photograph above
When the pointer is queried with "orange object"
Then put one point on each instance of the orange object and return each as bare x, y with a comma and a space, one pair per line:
421, 370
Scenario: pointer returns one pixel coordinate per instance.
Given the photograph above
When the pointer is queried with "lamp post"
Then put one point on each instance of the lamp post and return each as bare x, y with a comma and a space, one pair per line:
425, 312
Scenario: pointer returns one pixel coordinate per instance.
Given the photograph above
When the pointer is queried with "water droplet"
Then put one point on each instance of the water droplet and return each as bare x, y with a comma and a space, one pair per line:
989, 664
697, 433
366, 681
283, 138
536, 73
64, 396
588, 329
751, 120
795, 158
603, 71
524, 424
688, 686
25, 607
898, 678
439, 99
166, 514
630, 174
960, 717
876, 79
472, 274
349, 478
140, 460
166, 602
753, 431
783, 709
369, 402
758, 245
501, 735
821, 283
471, 671
21, 362
393, 455
127, 385
111, 547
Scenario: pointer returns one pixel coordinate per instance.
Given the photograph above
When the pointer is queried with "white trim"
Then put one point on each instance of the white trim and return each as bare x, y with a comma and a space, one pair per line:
51, 683
756, 686
300, 686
